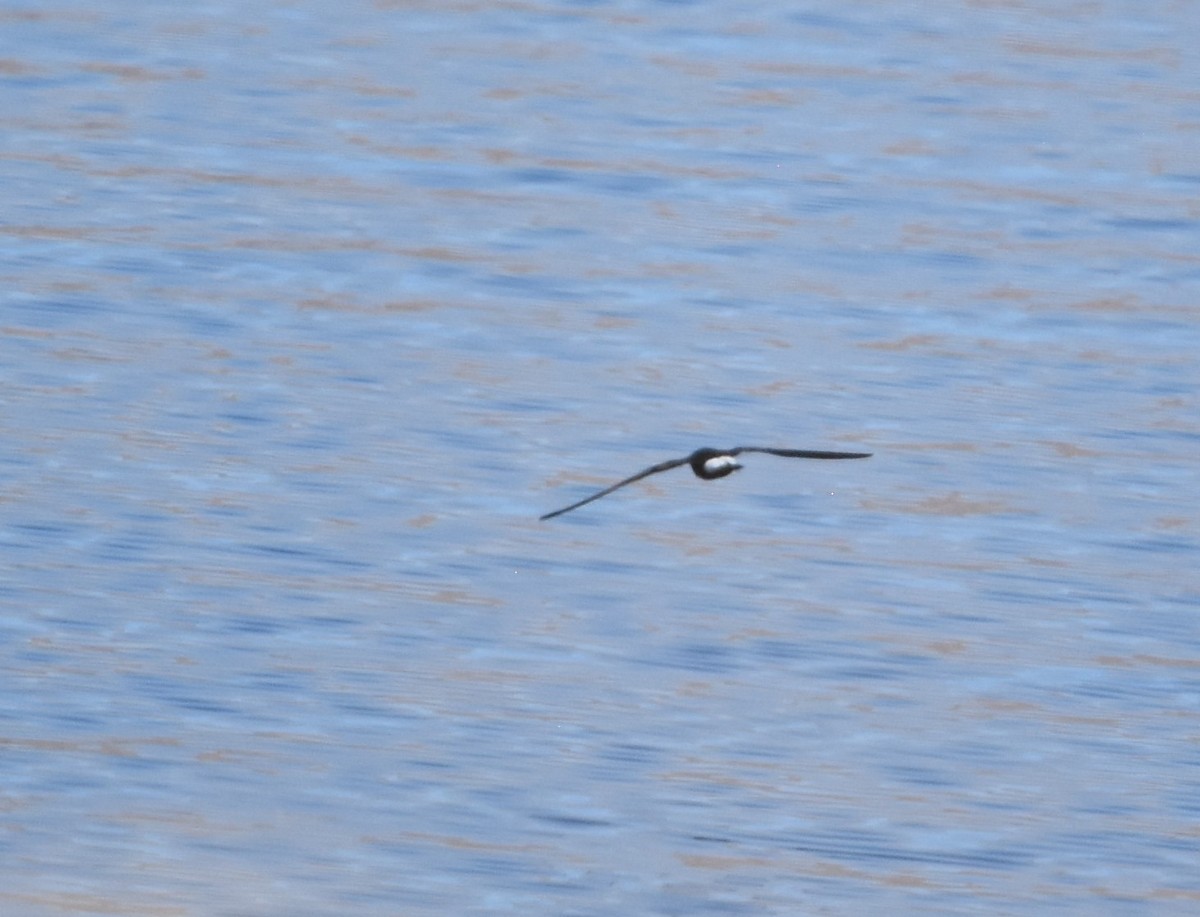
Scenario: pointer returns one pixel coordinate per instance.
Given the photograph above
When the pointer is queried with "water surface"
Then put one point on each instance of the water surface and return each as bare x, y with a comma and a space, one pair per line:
309, 314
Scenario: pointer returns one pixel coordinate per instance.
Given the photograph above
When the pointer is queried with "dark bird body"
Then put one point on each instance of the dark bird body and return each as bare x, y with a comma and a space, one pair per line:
709, 464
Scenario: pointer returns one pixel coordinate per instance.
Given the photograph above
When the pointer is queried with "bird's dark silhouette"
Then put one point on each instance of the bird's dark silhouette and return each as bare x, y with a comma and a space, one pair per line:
709, 464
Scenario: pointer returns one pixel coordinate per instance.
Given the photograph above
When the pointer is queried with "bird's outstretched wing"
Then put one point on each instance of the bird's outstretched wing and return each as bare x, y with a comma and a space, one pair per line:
653, 469
801, 453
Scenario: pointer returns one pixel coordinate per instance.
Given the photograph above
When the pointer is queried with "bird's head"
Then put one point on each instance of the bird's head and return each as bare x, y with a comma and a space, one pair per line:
712, 463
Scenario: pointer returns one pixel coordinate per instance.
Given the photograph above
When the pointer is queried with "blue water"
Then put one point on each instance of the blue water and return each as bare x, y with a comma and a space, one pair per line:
309, 313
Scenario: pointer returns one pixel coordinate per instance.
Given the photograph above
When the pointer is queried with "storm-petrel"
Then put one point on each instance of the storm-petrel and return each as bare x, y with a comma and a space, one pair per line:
709, 464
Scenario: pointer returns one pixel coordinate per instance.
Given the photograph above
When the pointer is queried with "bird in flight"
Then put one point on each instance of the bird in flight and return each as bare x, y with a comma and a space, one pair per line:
709, 464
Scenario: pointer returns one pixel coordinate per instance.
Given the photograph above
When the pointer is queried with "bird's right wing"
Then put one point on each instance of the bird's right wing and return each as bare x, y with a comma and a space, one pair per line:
801, 453
645, 473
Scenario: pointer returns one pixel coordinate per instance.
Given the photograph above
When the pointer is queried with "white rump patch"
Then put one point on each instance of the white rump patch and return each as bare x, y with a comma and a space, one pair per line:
720, 463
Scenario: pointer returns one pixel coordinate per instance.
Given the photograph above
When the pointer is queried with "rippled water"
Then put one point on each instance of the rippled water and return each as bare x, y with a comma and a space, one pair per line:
309, 313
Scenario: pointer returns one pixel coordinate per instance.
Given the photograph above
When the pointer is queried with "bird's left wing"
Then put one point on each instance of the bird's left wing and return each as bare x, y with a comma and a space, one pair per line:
645, 473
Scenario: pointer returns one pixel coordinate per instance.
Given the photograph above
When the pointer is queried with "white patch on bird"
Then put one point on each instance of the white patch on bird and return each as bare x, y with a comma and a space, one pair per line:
719, 463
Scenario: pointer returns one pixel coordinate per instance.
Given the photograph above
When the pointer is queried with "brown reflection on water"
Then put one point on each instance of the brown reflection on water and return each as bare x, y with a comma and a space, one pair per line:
953, 504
